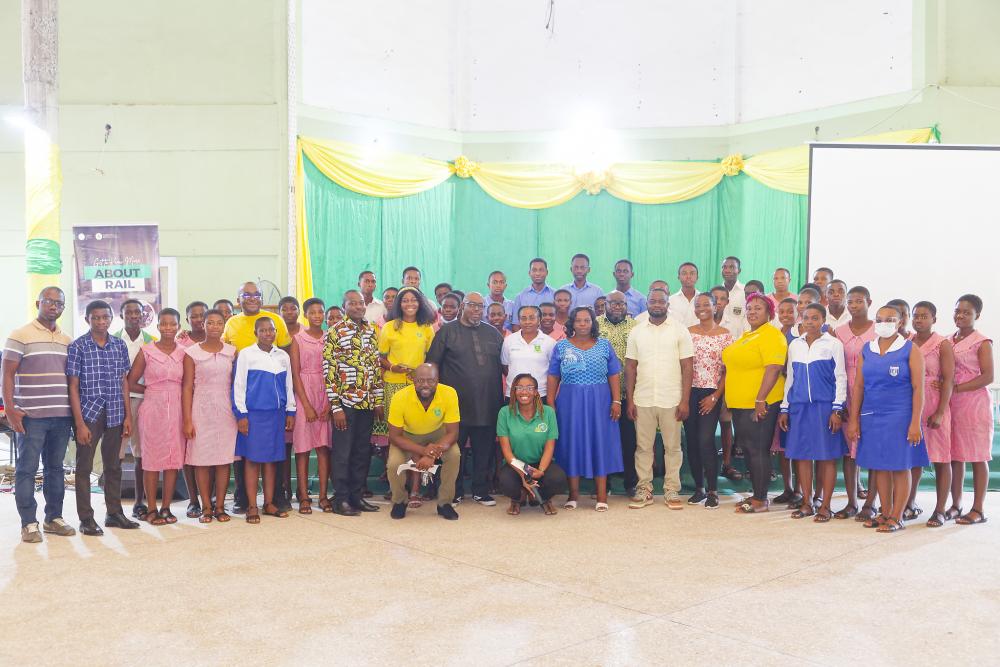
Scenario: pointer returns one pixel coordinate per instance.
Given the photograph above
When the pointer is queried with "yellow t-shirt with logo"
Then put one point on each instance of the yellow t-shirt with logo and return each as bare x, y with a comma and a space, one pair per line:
239, 330
745, 360
408, 413
407, 345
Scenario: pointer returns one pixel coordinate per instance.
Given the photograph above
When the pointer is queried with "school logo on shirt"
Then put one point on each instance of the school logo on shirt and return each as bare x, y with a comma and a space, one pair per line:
538, 348
420, 334
737, 310
893, 371
437, 412
542, 428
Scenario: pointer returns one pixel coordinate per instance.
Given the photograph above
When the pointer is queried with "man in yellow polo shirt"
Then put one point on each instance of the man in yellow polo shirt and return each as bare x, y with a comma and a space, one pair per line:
239, 332
423, 427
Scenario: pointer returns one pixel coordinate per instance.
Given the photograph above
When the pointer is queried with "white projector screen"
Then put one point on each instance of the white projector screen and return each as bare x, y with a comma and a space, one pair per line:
916, 222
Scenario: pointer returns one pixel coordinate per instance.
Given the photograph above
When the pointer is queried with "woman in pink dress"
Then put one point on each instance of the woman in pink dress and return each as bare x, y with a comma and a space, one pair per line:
939, 380
313, 432
209, 423
971, 409
160, 366
855, 334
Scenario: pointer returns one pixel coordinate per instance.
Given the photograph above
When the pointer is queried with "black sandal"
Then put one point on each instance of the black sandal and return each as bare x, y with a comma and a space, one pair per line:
823, 515
279, 513
966, 520
221, 516
848, 512
937, 520
890, 526
803, 513
911, 513
253, 515
168, 516
952, 513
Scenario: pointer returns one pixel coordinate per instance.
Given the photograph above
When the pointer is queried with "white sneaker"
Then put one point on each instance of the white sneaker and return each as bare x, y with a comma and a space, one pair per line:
642, 498
31, 534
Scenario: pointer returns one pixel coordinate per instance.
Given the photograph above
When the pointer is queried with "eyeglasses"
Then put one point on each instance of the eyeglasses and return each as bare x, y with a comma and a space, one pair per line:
528, 389
473, 305
251, 295
52, 302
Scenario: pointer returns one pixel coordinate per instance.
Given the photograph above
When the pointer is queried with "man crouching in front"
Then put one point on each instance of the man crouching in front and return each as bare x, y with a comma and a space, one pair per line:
423, 428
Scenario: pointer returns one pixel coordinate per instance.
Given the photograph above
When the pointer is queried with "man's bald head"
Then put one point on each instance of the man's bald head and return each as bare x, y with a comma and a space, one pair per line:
425, 380
472, 309
250, 298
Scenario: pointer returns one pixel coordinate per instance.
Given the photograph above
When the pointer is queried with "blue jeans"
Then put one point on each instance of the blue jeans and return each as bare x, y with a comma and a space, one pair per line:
45, 438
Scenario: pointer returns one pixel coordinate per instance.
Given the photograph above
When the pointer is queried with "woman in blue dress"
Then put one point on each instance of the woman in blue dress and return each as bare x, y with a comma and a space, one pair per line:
886, 405
585, 392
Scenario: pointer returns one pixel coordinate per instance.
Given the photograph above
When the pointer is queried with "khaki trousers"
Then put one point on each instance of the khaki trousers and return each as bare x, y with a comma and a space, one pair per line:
646, 423
134, 441
450, 461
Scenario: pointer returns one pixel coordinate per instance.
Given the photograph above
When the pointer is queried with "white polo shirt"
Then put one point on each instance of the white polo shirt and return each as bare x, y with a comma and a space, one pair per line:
658, 349
521, 357
734, 317
682, 310
374, 311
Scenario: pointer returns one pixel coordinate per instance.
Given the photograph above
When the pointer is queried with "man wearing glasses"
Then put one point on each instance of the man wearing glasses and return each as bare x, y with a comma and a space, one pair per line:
240, 333
36, 397
468, 356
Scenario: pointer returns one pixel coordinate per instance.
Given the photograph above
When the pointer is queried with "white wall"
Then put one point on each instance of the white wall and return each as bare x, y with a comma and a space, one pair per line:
196, 96
494, 67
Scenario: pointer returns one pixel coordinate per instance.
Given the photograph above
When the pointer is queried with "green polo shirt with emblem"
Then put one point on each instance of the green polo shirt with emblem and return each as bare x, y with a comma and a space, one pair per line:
528, 438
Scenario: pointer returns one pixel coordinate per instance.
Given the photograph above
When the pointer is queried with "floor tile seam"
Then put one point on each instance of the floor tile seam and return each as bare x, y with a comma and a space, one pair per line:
609, 633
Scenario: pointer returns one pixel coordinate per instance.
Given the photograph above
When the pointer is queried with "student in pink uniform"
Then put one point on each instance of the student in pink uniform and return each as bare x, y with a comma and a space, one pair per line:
855, 334
209, 423
312, 432
971, 409
939, 380
160, 366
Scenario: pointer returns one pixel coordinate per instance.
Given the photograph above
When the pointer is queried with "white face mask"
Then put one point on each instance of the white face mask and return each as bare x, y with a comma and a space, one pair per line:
886, 329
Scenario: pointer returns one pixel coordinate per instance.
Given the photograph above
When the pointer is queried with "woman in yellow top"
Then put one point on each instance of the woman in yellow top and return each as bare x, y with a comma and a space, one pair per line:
754, 390
402, 344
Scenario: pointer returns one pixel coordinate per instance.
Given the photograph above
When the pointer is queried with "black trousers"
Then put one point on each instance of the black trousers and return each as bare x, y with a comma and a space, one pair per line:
626, 429
350, 456
755, 438
240, 493
109, 439
699, 432
553, 482
482, 441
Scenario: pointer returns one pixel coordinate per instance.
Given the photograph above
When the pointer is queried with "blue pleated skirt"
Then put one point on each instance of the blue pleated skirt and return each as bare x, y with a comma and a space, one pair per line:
589, 442
265, 441
809, 437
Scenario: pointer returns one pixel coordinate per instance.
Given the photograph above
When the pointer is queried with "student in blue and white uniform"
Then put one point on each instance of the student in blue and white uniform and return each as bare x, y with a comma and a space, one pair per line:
815, 391
264, 403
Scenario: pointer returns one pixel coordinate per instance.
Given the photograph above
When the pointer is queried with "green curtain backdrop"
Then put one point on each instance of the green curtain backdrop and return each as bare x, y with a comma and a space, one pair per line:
457, 233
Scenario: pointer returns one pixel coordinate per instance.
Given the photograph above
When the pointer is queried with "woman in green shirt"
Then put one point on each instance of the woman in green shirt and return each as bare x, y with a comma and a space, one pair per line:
528, 430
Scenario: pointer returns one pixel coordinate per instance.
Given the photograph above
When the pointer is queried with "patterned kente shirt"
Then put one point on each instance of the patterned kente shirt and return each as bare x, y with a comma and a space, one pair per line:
617, 335
351, 366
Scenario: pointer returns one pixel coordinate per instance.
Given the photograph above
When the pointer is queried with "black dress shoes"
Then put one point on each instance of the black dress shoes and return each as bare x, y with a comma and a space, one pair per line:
90, 527
398, 511
119, 520
365, 506
447, 512
343, 508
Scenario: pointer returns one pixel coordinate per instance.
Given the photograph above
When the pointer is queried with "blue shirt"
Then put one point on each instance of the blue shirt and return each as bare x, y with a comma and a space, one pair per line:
583, 296
635, 301
101, 371
529, 297
508, 307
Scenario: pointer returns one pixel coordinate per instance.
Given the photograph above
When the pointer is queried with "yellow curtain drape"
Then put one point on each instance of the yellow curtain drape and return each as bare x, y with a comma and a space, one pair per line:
369, 172
788, 169
303, 264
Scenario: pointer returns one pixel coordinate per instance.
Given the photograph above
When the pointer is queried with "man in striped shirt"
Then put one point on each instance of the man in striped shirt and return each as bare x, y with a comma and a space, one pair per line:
36, 396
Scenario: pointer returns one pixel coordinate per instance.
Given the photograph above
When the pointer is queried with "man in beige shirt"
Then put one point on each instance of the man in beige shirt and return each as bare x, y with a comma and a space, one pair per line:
658, 371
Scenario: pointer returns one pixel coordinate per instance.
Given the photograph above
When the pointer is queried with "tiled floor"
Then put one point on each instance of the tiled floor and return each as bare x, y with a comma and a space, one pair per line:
624, 588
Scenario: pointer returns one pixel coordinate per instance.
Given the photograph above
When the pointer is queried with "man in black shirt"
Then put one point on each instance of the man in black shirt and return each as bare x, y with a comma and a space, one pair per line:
468, 356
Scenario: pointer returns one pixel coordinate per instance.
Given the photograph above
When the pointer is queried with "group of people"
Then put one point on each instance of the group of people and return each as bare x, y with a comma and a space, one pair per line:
526, 396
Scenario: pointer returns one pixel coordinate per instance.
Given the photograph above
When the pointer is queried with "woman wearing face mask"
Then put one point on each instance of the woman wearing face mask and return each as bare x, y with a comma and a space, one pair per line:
939, 380
885, 416
754, 389
971, 409
161, 367
815, 391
